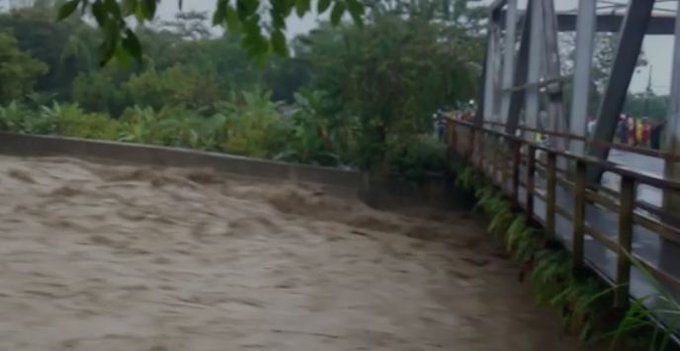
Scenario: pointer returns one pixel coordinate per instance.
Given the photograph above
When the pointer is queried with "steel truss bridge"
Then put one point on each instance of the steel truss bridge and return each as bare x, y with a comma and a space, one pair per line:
635, 211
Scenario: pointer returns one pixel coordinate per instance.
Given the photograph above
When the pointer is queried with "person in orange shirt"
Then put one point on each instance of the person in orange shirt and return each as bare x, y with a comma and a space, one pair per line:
638, 132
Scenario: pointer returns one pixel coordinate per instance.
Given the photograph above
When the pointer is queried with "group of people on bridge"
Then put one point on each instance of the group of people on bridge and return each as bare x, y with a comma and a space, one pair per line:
634, 131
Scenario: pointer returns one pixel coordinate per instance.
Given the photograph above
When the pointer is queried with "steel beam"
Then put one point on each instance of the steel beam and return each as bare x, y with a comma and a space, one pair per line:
497, 61
556, 113
670, 252
490, 78
479, 115
536, 47
508, 58
585, 45
627, 53
567, 22
498, 4
517, 98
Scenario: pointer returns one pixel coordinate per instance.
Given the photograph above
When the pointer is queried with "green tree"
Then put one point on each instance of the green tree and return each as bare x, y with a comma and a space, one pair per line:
647, 105
285, 77
261, 33
18, 70
174, 86
97, 91
66, 48
393, 75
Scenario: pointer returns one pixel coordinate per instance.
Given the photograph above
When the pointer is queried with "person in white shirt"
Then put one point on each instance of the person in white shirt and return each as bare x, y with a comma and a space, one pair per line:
591, 126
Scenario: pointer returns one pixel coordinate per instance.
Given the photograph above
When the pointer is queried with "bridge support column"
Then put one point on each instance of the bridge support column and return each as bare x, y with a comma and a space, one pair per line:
628, 50
489, 77
585, 45
508, 58
536, 47
669, 259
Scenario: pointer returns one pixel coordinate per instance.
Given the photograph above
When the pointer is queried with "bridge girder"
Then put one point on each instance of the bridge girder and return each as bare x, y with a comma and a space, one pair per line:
606, 23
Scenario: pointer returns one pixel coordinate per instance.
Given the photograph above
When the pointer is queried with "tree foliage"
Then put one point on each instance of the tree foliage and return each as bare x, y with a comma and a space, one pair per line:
390, 73
348, 95
18, 70
262, 23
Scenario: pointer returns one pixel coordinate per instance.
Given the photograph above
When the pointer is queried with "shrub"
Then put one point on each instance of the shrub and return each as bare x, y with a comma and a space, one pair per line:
414, 159
12, 117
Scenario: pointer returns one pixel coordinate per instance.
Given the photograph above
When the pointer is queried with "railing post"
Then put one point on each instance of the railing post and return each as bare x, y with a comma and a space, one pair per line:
626, 208
579, 213
516, 168
531, 170
479, 140
453, 138
550, 197
496, 160
450, 141
471, 144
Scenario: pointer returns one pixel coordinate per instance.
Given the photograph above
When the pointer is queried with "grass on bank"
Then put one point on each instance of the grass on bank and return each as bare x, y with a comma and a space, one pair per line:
583, 299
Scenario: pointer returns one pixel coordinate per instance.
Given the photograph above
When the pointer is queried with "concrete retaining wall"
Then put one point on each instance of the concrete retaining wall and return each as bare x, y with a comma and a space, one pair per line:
438, 191
33, 145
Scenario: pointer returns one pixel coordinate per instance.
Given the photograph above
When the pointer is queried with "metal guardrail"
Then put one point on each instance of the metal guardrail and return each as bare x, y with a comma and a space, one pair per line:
489, 150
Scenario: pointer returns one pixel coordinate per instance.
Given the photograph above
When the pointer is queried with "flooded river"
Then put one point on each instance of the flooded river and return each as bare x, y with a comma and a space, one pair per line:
100, 257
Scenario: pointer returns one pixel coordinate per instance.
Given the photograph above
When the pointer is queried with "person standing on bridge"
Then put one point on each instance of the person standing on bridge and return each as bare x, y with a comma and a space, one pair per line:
655, 135
591, 126
631, 130
622, 129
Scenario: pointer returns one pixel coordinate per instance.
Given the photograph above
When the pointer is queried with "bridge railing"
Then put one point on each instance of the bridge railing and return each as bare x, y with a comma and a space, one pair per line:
598, 143
559, 198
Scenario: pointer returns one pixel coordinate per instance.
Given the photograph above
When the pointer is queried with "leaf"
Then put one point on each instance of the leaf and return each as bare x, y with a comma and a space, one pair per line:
302, 7
113, 9
67, 9
323, 6
233, 23
132, 45
99, 13
108, 48
337, 12
219, 16
246, 8
129, 7
279, 43
147, 10
356, 10
278, 21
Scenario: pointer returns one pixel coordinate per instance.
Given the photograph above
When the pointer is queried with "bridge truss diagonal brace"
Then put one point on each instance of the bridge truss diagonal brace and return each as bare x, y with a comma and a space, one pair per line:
633, 30
536, 59
556, 113
521, 68
509, 54
489, 98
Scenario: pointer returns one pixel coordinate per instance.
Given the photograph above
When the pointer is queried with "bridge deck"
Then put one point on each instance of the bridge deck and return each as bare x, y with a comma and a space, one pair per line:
647, 244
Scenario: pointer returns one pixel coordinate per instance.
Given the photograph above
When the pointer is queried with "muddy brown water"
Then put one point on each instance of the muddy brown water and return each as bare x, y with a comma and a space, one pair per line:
101, 257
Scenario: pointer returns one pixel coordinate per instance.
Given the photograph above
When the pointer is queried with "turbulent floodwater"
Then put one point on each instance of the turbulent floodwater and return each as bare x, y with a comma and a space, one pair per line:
98, 257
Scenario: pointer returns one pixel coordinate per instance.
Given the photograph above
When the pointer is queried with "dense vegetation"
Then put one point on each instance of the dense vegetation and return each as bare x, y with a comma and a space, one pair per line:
346, 95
